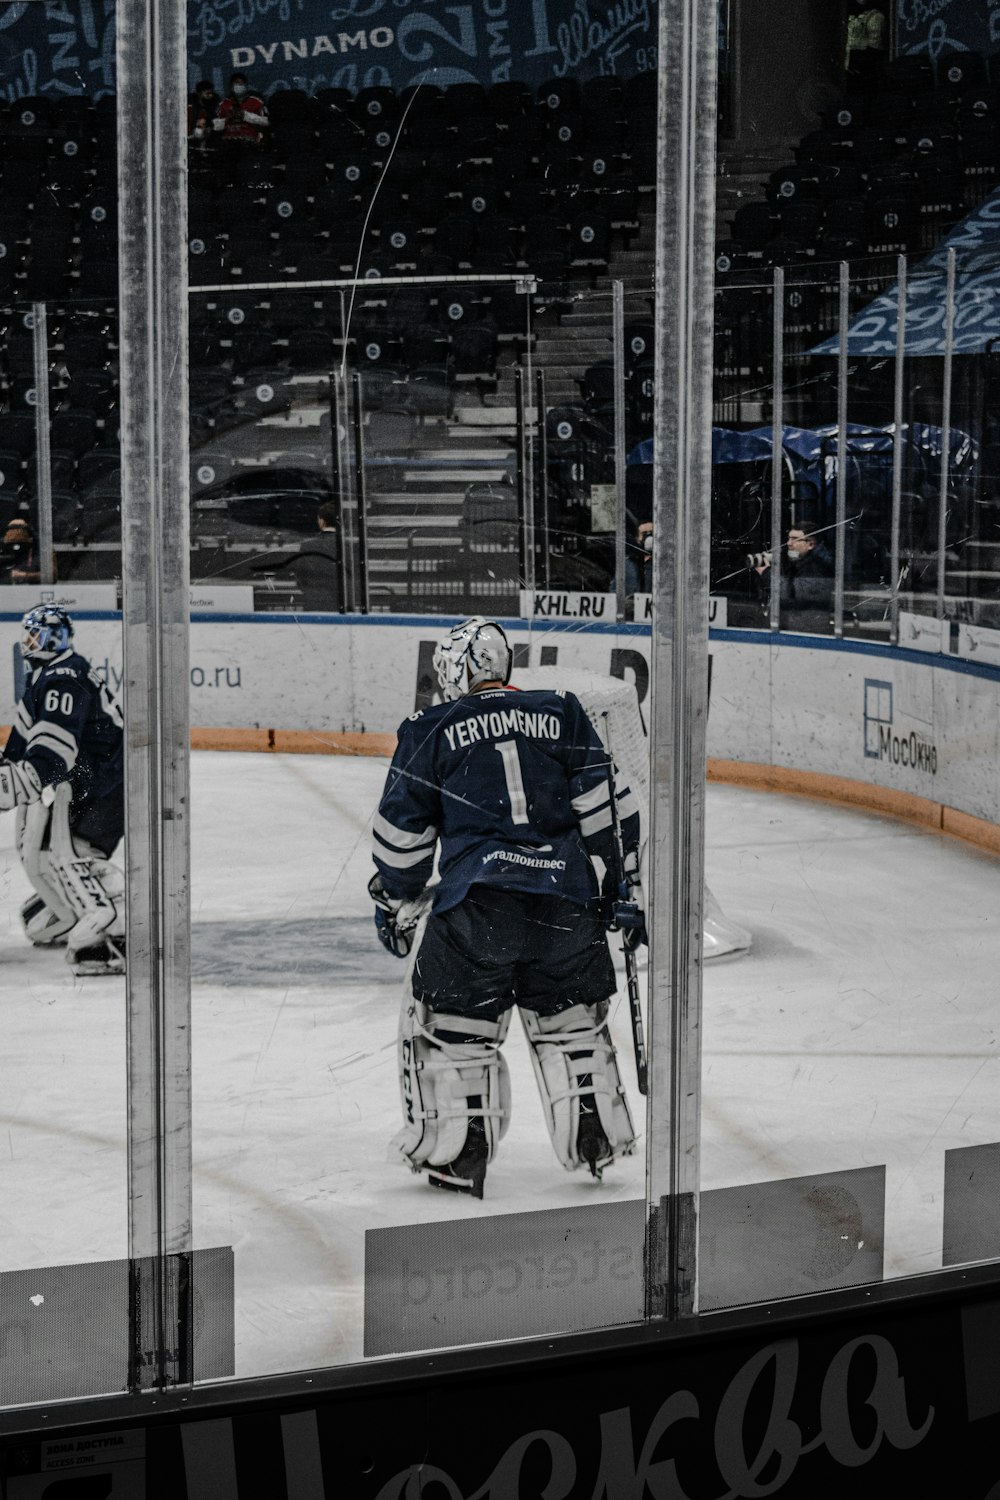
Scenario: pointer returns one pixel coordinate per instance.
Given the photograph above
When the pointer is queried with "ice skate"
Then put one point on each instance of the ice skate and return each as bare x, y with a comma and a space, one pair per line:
101, 957
592, 1145
467, 1173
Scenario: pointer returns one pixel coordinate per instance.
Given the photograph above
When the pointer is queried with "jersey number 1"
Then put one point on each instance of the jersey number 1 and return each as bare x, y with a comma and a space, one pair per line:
507, 750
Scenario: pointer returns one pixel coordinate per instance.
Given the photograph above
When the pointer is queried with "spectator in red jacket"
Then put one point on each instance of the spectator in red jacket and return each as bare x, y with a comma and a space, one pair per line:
239, 125
242, 114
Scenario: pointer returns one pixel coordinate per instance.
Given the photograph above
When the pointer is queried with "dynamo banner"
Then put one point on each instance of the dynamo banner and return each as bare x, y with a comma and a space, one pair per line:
938, 27
54, 47
976, 327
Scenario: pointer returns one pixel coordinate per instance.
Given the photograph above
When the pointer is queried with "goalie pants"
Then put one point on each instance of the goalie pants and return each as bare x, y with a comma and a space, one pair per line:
500, 948
64, 847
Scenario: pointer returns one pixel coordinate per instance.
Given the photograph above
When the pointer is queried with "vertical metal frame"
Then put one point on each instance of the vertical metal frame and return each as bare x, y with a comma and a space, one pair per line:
542, 467
361, 494
899, 390
43, 455
682, 473
525, 529
777, 444
338, 438
152, 193
840, 534
618, 351
946, 384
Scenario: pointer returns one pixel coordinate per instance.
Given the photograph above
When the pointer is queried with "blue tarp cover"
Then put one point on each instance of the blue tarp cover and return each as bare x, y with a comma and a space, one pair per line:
808, 444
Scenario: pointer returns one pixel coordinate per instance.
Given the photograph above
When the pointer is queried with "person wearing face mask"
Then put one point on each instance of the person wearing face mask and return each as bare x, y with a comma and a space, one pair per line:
241, 117
639, 562
807, 570
202, 107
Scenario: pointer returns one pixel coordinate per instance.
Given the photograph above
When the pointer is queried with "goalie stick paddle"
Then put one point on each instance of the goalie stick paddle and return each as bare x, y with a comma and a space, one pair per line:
631, 966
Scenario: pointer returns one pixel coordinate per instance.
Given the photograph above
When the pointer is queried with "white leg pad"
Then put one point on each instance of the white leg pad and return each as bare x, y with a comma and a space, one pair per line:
51, 920
43, 927
91, 886
574, 1059
444, 1083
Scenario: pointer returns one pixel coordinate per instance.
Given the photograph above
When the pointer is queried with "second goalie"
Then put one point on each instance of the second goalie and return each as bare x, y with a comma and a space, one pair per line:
515, 788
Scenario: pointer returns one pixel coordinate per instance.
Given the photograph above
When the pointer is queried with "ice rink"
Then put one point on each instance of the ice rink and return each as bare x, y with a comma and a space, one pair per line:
860, 1030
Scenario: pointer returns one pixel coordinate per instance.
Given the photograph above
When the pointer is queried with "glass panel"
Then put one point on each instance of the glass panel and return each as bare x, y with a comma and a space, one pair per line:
392, 430
840, 1043
64, 1263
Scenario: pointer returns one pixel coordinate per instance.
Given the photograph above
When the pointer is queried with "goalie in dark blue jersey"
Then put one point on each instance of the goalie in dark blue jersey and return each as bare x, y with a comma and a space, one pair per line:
62, 771
513, 789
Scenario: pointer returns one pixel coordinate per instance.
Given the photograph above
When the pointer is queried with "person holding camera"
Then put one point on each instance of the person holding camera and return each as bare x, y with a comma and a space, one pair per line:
807, 571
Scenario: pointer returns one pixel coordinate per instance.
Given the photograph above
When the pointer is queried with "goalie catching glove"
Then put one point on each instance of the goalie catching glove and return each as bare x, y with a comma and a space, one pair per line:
19, 784
395, 921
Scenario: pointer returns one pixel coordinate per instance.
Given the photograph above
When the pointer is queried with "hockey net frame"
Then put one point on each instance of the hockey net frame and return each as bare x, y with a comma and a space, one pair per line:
612, 705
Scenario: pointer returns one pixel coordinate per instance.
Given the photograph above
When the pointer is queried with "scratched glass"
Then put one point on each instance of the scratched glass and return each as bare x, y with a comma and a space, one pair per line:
403, 412
396, 299
63, 1073
837, 1048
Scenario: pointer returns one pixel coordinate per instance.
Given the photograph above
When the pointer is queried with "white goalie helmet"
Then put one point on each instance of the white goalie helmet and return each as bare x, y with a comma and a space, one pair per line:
474, 652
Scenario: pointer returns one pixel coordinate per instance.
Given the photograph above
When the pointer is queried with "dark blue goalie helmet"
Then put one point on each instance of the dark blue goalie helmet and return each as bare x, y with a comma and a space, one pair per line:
46, 631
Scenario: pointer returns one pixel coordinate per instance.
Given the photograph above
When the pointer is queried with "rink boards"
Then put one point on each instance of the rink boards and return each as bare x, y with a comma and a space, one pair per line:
919, 728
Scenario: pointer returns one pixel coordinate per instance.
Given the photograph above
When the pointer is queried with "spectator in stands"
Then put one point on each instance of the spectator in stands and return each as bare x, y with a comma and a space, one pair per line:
867, 47
807, 571
639, 562
203, 106
316, 566
17, 554
240, 122
241, 117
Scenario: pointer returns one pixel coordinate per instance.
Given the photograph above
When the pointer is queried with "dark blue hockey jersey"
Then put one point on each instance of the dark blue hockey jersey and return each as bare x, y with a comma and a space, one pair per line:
69, 728
514, 785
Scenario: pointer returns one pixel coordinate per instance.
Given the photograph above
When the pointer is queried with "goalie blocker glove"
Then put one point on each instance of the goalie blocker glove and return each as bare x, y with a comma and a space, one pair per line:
623, 905
19, 784
395, 921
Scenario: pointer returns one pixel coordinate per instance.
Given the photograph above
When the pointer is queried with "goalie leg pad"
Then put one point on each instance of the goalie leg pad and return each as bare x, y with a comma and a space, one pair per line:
47, 916
455, 1092
94, 889
43, 927
576, 1069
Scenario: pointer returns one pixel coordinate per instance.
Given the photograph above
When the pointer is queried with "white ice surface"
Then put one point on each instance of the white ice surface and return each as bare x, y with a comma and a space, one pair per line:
860, 1030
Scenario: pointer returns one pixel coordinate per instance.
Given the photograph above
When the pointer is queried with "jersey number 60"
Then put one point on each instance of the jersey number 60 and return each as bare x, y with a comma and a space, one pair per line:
58, 703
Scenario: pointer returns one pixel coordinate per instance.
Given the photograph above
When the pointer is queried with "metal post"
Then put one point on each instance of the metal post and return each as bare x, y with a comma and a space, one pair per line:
840, 535
543, 480
682, 484
897, 451
360, 490
338, 437
524, 527
777, 444
153, 357
618, 351
946, 378
43, 459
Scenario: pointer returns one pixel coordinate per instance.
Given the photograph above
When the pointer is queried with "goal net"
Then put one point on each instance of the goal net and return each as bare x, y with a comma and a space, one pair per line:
612, 705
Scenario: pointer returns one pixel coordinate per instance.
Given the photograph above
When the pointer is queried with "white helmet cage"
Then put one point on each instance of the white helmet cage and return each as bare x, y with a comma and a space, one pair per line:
472, 653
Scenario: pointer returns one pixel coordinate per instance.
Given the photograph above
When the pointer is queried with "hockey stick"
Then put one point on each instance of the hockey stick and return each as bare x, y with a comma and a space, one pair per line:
631, 967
